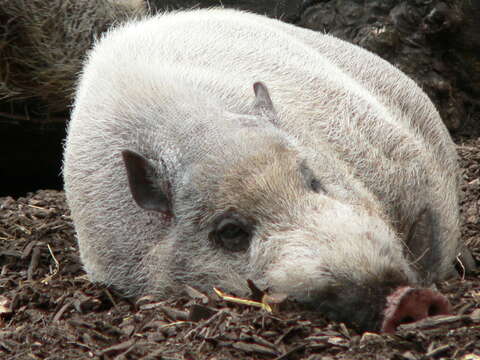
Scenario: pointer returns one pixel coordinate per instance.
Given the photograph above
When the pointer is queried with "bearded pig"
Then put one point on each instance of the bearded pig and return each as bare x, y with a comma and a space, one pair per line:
208, 147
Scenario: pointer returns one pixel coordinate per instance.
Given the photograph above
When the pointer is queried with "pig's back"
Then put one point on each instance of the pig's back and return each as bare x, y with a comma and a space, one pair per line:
311, 76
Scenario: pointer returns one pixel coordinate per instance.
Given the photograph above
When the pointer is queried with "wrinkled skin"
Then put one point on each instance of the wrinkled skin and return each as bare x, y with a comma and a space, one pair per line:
336, 185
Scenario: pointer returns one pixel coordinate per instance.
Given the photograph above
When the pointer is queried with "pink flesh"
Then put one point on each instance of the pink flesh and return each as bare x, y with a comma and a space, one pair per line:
407, 304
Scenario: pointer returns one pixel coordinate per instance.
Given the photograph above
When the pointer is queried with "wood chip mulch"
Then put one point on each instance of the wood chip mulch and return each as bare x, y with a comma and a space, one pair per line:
49, 309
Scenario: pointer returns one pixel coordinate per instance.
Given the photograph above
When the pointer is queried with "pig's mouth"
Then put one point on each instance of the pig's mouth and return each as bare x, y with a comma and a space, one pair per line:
407, 305
384, 310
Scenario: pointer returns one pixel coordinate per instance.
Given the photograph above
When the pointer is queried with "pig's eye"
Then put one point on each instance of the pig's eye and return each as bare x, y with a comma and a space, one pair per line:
232, 235
312, 182
316, 186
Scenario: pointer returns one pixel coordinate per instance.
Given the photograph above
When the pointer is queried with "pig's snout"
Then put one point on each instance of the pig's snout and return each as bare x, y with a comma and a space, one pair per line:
407, 305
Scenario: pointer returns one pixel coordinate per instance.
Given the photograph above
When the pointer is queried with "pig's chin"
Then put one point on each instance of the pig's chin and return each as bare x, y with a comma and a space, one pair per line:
360, 307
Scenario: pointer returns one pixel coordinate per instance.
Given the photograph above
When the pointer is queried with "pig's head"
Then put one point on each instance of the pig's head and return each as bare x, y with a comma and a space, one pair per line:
262, 206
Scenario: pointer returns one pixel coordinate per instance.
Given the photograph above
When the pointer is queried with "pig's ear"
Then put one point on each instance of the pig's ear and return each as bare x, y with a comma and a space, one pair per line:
145, 191
422, 242
263, 103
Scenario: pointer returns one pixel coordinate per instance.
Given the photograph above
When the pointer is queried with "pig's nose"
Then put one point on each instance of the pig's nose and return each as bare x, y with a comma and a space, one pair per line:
406, 305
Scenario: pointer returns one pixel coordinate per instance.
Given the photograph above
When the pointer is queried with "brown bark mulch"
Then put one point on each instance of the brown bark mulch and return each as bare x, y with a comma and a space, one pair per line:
49, 309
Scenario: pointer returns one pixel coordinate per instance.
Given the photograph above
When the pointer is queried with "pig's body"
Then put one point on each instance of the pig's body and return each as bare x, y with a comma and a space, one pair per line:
326, 191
